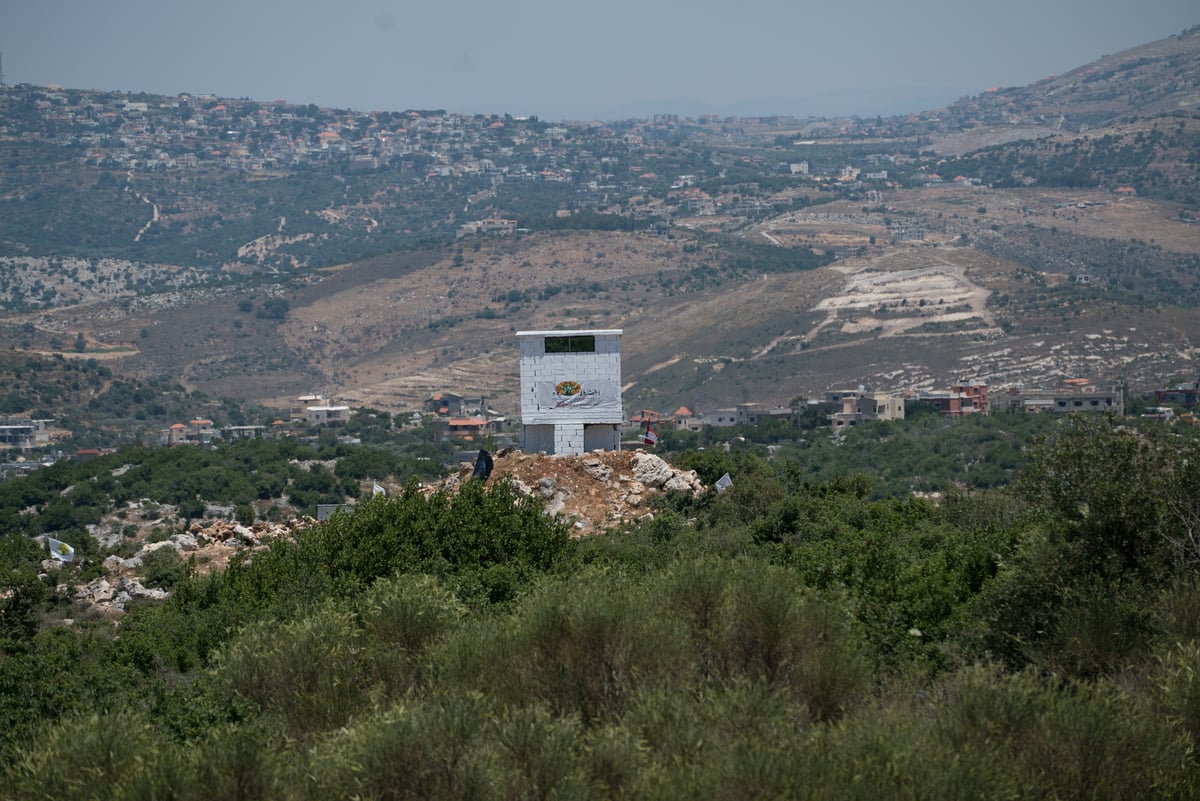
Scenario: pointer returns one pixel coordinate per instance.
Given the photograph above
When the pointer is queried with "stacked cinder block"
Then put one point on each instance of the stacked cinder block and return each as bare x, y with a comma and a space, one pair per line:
550, 426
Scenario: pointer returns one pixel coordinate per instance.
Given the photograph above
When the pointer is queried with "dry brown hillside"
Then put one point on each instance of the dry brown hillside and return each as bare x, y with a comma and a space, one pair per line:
991, 291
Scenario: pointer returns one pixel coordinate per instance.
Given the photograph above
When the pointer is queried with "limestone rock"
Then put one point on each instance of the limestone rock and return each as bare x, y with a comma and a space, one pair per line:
684, 481
133, 588
96, 592
598, 470
151, 547
117, 565
602, 489
184, 543
651, 470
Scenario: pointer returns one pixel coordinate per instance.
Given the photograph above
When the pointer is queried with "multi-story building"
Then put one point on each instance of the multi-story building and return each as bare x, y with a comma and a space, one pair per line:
1112, 401
325, 414
961, 399
1186, 395
1075, 395
23, 433
466, 429
865, 406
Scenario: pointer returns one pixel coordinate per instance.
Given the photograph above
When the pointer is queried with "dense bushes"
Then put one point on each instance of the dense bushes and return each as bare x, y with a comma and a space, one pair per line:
788, 638
66, 498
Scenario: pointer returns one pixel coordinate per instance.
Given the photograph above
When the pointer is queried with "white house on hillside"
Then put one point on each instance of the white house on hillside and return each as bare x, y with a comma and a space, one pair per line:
570, 391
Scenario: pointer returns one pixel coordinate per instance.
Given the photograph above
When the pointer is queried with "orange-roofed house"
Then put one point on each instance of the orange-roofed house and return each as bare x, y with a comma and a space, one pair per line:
687, 420
176, 434
466, 429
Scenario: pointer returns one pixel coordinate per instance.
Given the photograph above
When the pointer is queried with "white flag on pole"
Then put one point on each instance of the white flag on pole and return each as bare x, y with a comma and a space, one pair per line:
724, 483
378, 490
60, 550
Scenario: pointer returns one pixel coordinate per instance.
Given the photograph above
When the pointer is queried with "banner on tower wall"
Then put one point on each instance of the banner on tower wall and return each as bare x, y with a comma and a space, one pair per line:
600, 396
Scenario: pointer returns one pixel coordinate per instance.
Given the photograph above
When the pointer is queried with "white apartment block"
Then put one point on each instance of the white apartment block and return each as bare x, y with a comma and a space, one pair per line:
570, 391
323, 415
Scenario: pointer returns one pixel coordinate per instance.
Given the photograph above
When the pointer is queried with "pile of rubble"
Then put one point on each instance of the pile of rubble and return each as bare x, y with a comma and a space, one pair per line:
597, 491
209, 546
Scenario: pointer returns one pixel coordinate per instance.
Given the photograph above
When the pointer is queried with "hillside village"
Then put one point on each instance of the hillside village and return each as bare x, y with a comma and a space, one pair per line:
604, 162
154, 133
119, 217
460, 421
396, 169
467, 422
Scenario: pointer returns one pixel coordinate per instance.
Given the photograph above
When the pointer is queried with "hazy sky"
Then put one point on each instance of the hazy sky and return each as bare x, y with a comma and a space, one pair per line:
602, 59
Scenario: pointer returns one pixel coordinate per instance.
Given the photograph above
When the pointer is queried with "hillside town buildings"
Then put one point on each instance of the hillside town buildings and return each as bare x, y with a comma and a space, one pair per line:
1074, 396
611, 164
604, 164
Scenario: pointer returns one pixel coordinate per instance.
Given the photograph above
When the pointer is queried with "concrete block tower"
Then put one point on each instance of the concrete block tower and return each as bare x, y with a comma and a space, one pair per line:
570, 391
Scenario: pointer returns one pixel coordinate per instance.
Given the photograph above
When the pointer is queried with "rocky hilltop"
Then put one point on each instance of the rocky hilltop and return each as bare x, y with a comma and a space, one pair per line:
594, 492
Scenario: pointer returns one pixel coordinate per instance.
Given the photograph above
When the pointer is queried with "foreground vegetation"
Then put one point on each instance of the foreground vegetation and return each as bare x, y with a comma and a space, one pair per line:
792, 637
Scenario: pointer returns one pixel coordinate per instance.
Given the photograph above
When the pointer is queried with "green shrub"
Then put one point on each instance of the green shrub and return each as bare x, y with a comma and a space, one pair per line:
578, 645
443, 535
242, 762
1092, 474
540, 755
91, 756
1065, 740
428, 748
164, 568
1100, 627
245, 514
772, 629
582, 645
1178, 610
735, 740
400, 618
310, 672
1180, 668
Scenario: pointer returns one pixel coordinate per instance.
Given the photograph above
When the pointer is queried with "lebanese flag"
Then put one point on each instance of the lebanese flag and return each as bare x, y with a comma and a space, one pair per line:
650, 437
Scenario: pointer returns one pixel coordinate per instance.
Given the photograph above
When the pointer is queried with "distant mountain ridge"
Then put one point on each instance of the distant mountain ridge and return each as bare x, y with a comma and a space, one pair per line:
1157, 78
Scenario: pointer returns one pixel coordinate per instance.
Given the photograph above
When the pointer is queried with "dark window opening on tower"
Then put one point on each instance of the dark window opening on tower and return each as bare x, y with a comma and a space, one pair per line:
584, 343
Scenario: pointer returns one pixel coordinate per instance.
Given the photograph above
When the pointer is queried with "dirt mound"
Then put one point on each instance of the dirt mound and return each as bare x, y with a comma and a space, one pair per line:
597, 491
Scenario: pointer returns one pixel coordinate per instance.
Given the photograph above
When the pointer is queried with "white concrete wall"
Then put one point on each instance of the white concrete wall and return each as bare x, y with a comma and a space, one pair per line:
568, 438
599, 371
